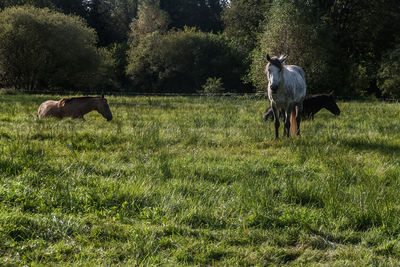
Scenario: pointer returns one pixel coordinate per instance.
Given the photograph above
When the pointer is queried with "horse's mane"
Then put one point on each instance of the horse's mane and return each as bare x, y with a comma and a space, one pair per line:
276, 61
69, 100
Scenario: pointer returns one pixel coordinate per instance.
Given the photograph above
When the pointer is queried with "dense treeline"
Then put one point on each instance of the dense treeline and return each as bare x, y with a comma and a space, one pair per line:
350, 47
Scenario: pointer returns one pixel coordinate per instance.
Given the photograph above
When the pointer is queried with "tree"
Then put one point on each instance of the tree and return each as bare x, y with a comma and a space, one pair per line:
295, 29
75, 7
123, 13
182, 61
389, 74
366, 30
338, 42
243, 22
150, 19
37, 3
99, 17
40, 48
202, 14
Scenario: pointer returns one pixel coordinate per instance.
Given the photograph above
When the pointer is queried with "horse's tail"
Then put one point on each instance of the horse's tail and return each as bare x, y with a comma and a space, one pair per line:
293, 122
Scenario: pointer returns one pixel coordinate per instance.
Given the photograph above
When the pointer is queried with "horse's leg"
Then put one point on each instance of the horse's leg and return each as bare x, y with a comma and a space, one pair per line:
298, 116
286, 129
276, 119
268, 113
285, 122
298, 119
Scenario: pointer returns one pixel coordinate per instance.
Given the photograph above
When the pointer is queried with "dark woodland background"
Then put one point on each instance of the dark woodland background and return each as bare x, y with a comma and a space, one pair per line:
350, 47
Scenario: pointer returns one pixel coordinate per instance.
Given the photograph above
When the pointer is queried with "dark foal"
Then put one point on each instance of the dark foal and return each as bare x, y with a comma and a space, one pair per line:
311, 105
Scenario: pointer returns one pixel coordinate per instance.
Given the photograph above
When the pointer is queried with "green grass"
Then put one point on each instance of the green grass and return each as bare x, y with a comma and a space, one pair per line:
198, 181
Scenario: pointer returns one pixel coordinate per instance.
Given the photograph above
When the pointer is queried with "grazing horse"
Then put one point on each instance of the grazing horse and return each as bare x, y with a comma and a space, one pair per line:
311, 105
286, 90
75, 107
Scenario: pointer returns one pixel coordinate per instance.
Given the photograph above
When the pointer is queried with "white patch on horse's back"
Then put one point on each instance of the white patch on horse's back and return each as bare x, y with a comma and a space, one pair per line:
298, 69
294, 83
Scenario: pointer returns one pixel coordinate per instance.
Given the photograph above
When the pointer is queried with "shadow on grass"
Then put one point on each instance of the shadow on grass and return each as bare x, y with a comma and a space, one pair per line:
380, 146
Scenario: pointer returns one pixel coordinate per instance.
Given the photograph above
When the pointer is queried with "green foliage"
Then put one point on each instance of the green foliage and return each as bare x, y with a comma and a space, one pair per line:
36, 3
204, 15
293, 29
123, 14
389, 74
108, 69
213, 86
181, 61
110, 19
119, 79
243, 21
198, 181
338, 43
40, 48
150, 19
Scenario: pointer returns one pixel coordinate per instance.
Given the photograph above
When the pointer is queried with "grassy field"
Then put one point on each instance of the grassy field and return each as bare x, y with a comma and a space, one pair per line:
198, 181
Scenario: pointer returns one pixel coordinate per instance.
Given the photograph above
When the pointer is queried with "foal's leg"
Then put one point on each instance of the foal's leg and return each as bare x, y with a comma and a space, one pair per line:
299, 109
276, 119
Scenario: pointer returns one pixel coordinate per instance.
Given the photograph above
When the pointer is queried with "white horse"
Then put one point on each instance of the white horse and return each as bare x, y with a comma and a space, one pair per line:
286, 91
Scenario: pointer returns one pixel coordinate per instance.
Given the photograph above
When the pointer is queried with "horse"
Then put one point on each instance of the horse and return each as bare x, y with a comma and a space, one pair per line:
311, 105
286, 90
75, 107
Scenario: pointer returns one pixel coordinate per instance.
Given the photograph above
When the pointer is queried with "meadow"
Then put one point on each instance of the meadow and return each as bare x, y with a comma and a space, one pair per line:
188, 181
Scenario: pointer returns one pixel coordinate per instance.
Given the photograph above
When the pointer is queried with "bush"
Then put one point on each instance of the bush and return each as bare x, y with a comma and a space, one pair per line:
213, 86
389, 74
40, 48
8, 91
181, 62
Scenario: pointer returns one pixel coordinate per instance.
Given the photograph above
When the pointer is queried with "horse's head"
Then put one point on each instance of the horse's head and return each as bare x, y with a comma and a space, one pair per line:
330, 104
104, 109
273, 71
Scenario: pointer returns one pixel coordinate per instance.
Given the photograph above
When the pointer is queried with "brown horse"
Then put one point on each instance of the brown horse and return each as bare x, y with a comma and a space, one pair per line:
75, 107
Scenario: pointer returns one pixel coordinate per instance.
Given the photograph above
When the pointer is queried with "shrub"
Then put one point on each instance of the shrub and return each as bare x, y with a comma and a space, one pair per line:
213, 86
40, 48
181, 61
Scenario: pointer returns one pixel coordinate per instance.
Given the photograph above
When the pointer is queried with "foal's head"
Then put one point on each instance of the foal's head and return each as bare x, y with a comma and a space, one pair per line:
273, 70
330, 104
103, 108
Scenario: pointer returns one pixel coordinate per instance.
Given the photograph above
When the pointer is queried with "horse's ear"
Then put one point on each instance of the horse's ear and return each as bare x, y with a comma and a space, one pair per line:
102, 96
283, 58
61, 103
268, 58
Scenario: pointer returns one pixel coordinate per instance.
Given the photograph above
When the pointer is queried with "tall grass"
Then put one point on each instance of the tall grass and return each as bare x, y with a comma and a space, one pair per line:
198, 181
